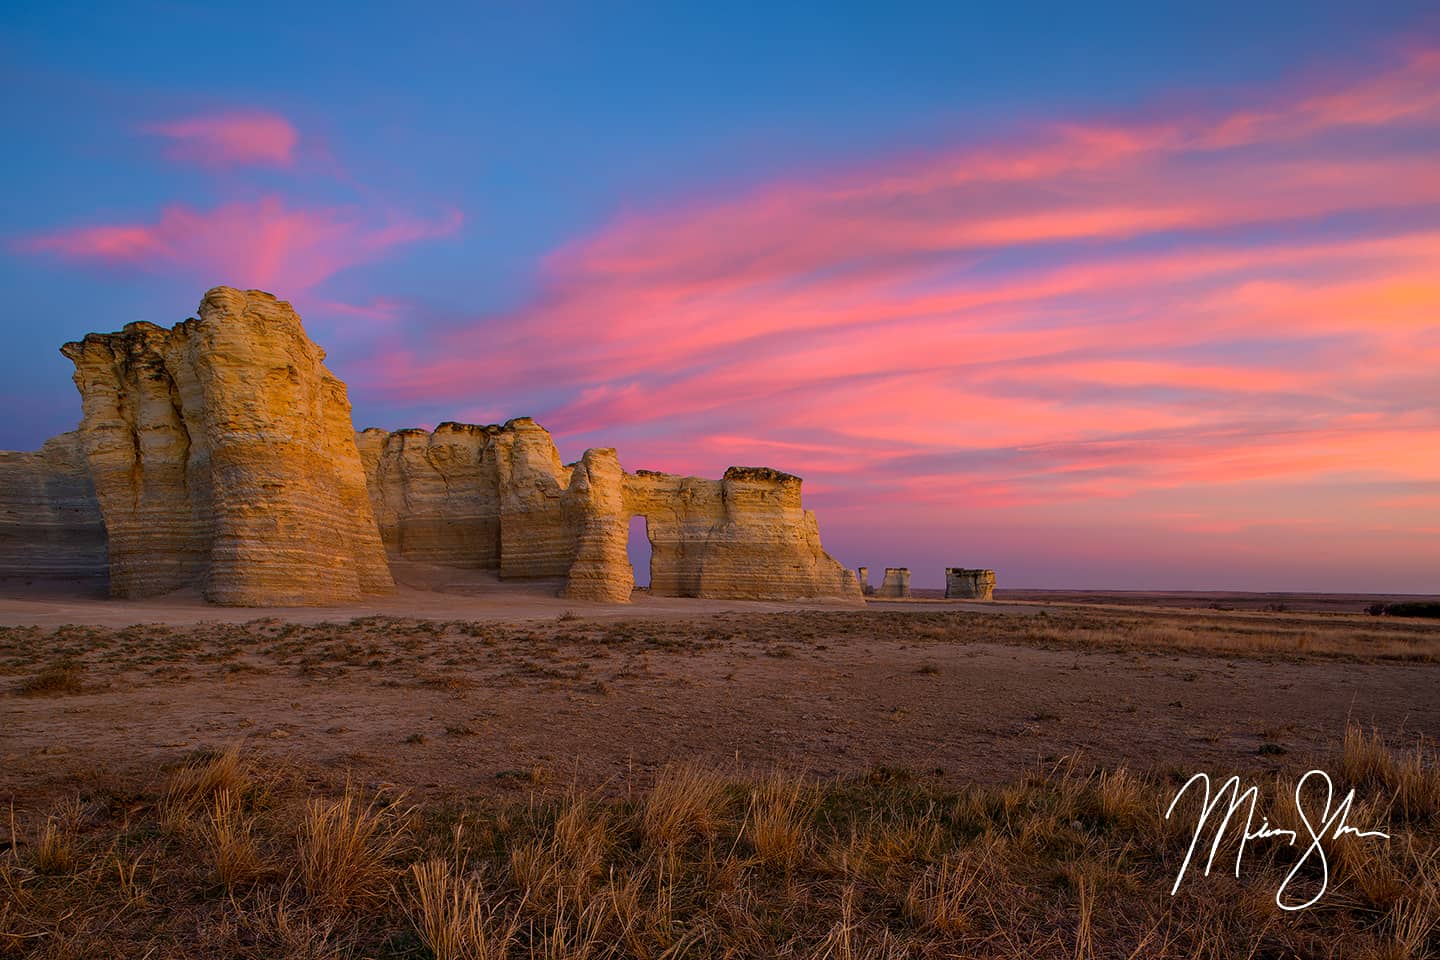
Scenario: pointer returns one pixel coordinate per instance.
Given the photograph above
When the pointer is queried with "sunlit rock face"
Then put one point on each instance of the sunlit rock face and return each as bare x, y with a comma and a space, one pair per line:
223, 456
435, 495
594, 509
485, 497
220, 454
744, 536
50, 524
535, 540
498, 497
140, 452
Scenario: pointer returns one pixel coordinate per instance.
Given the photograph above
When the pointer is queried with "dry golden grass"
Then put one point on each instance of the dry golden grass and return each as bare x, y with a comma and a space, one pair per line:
344, 849
57, 679
945, 897
1067, 862
229, 835
452, 918
568, 859
1410, 777
685, 802
778, 820
55, 848
198, 781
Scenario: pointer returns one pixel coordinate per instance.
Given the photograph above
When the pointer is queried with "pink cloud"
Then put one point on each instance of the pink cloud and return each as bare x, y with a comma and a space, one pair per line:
265, 244
1195, 310
235, 139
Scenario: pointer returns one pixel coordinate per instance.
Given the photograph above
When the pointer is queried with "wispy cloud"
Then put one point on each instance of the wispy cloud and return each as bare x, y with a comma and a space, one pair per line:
230, 139
1095, 312
265, 244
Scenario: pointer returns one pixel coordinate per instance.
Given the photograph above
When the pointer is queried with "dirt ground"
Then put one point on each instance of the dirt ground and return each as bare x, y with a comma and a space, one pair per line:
529, 689
1221, 600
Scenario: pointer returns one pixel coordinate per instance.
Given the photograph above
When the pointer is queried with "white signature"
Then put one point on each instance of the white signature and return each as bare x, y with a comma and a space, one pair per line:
1330, 826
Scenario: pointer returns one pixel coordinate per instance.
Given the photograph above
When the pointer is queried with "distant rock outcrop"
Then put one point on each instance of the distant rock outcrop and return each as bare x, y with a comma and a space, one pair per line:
50, 524
965, 584
223, 456
896, 585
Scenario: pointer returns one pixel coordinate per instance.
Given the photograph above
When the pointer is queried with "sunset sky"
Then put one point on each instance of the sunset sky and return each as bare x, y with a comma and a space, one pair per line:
1106, 296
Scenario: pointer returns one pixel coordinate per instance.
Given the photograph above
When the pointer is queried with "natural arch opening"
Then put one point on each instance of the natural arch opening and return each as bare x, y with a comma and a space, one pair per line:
638, 547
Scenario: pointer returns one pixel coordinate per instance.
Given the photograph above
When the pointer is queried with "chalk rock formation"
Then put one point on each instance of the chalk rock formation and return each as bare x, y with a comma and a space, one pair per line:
896, 584
862, 574
485, 497
220, 454
50, 523
963, 584
594, 508
744, 536
435, 495
498, 497
223, 456
139, 452
534, 538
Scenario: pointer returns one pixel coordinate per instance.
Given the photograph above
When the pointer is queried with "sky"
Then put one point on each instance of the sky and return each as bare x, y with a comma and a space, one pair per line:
1122, 296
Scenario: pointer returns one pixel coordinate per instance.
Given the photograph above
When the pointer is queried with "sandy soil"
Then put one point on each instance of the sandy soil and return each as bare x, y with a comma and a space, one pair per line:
424, 591
1215, 600
502, 704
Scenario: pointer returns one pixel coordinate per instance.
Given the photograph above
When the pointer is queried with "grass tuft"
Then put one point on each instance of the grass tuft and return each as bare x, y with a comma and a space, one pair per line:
56, 680
451, 916
344, 849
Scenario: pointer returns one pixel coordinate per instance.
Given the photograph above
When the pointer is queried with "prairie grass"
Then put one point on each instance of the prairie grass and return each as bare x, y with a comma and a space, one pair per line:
229, 835
200, 780
1066, 862
778, 820
55, 848
1411, 778
451, 915
344, 848
55, 680
685, 802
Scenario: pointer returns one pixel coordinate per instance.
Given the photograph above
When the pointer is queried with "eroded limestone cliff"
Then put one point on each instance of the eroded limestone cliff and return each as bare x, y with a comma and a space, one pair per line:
220, 454
498, 497
745, 535
223, 456
50, 523
435, 495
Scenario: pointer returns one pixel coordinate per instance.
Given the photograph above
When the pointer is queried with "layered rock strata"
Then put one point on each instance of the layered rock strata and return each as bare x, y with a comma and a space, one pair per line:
498, 497
896, 584
966, 584
50, 524
220, 454
594, 507
223, 457
743, 536
435, 494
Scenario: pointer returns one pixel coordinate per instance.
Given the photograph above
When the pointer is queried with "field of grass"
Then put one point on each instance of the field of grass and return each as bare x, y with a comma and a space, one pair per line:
227, 856
56, 659
334, 829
